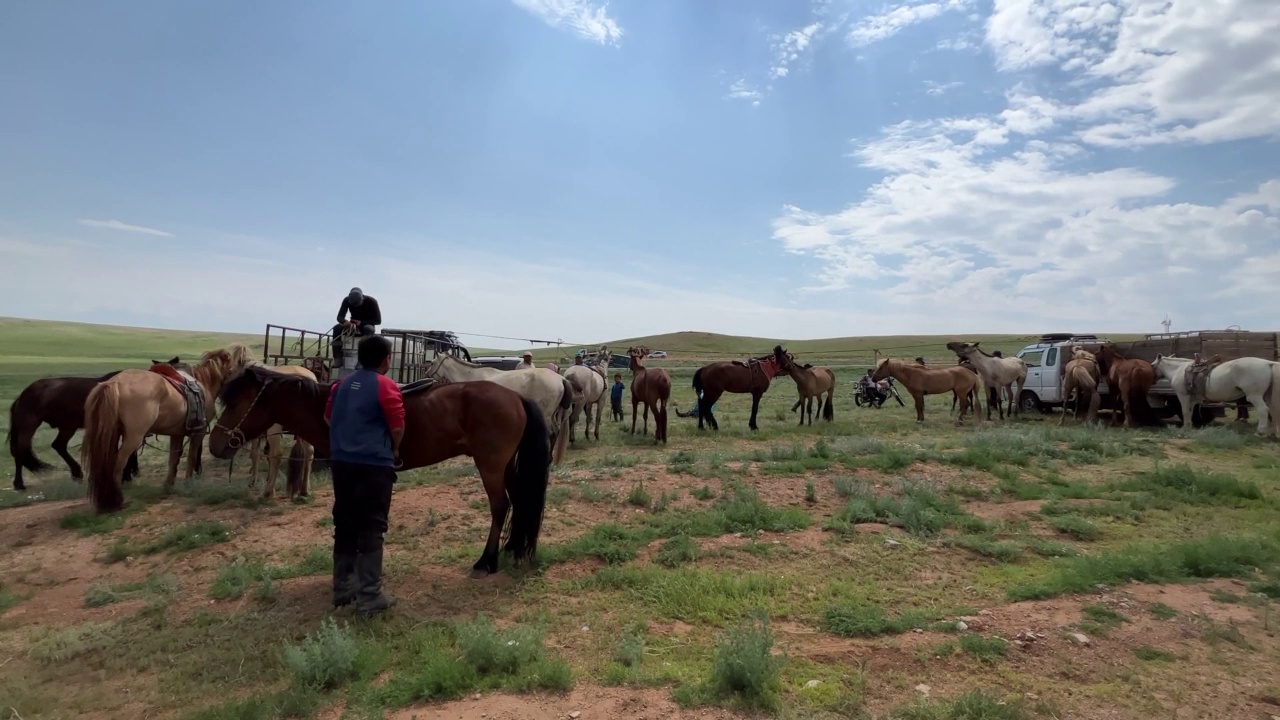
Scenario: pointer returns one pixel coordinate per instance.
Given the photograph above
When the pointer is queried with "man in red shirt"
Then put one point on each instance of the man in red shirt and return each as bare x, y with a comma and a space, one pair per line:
365, 412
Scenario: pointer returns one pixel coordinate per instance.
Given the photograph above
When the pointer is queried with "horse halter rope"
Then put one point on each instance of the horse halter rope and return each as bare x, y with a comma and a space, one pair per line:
235, 436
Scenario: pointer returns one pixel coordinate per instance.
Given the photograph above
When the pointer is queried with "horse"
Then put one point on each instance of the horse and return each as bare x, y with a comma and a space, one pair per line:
921, 381
811, 383
996, 372
301, 457
121, 411
505, 433
1081, 377
993, 394
552, 391
1254, 379
58, 401
590, 385
1129, 380
651, 386
753, 376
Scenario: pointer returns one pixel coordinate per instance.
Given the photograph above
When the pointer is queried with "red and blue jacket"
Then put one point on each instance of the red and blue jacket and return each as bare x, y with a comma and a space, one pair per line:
362, 410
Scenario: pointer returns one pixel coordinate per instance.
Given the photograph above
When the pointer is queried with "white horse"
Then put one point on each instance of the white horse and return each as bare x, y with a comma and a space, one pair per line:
590, 384
1001, 373
1253, 378
552, 392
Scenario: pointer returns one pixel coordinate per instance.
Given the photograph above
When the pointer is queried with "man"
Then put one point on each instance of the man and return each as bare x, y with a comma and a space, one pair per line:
615, 396
526, 361
365, 413
365, 317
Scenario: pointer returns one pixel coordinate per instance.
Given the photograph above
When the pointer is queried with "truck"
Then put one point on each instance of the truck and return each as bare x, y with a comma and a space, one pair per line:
1047, 358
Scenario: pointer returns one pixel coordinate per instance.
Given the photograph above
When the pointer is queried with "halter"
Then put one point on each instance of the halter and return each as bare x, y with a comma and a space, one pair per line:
235, 437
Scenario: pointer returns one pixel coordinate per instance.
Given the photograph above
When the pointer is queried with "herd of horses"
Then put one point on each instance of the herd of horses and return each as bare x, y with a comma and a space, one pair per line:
516, 424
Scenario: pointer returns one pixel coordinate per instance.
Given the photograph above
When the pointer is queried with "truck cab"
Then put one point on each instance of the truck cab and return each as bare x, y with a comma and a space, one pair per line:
1046, 361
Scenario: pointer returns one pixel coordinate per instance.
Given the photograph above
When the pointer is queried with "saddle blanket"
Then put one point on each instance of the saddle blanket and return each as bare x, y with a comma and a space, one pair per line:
192, 391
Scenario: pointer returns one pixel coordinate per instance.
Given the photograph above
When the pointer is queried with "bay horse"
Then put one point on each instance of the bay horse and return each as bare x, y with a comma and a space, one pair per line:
590, 386
552, 391
58, 401
652, 387
1001, 373
753, 376
811, 383
504, 432
301, 457
1081, 377
121, 411
1129, 380
920, 381
1251, 378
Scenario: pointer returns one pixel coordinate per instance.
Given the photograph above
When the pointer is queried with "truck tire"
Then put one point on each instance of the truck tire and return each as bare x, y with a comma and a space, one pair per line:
1028, 402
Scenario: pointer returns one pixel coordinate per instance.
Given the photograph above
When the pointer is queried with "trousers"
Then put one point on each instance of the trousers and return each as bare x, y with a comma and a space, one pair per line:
616, 405
365, 331
361, 505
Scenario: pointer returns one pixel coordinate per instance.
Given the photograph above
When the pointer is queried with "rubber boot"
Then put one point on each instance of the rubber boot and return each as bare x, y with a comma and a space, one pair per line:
344, 579
370, 600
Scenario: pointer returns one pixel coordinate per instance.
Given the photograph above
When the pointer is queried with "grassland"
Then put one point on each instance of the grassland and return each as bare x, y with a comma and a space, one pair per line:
865, 568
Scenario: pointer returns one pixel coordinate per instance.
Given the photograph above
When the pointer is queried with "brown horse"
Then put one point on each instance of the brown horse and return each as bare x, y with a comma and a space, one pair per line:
921, 381
653, 388
713, 380
298, 473
1081, 377
811, 383
993, 394
58, 401
122, 411
1129, 380
505, 433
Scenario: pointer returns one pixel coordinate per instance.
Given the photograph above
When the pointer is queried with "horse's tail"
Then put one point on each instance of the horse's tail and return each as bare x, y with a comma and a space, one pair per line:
828, 409
297, 463
23, 423
561, 418
528, 487
101, 447
697, 381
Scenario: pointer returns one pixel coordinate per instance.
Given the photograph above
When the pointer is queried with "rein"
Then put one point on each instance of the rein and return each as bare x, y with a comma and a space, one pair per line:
235, 436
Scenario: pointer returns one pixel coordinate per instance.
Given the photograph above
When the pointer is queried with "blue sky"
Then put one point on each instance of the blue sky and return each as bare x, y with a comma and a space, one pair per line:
589, 171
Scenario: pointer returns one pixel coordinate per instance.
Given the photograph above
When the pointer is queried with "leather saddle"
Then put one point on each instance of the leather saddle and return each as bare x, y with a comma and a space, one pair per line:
195, 422
418, 386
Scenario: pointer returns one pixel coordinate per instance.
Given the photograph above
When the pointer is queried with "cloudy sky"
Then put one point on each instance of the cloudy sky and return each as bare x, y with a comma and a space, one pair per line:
580, 170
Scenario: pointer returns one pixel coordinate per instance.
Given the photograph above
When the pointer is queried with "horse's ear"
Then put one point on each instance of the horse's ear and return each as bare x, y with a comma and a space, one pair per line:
976, 344
175, 360
155, 362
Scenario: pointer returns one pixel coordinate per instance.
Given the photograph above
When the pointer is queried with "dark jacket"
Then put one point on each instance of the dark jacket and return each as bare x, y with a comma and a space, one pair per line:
362, 410
366, 313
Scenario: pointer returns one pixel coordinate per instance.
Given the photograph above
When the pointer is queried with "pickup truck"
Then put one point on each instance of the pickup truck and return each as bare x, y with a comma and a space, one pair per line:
1047, 359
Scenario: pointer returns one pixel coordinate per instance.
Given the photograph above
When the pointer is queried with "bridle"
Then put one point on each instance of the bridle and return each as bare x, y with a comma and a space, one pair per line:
235, 436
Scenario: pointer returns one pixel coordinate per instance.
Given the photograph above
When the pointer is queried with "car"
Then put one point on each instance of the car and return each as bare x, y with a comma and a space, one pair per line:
658, 354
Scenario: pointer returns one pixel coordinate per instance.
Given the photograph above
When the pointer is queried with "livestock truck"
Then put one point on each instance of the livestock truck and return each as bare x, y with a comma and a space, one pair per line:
1047, 358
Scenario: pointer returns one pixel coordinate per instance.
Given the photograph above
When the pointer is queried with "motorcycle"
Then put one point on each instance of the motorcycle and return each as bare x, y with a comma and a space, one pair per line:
862, 394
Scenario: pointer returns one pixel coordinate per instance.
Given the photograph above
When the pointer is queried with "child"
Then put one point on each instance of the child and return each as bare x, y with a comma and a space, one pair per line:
615, 397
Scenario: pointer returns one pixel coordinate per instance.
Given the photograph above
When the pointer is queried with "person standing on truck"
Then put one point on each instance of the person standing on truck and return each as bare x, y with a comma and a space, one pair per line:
365, 413
365, 317
615, 396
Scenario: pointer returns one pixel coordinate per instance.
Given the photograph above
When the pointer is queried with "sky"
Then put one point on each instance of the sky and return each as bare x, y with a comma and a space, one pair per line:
586, 171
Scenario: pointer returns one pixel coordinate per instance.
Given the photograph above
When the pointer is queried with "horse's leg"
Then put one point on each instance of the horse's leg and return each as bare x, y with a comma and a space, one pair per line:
755, 407
1260, 404
599, 414
709, 400
1125, 402
633, 415
175, 455
919, 398
495, 487
255, 456
274, 455
60, 446
193, 455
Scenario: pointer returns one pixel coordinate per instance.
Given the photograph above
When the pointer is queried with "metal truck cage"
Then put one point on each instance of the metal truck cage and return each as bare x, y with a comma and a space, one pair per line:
412, 351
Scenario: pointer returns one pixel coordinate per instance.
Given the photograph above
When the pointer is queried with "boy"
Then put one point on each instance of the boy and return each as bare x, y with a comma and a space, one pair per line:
615, 397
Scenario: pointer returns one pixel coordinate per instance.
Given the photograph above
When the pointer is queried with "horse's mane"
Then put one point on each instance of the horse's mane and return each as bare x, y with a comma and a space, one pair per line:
262, 375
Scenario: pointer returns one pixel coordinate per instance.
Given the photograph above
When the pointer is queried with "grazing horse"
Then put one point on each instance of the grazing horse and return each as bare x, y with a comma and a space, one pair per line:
920, 381
590, 385
298, 474
653, 388
1129, 380
505, 433
717, 378
552, 391
1254, 379
162, 400
1081, 377
811, 383
1001, 373
58, 401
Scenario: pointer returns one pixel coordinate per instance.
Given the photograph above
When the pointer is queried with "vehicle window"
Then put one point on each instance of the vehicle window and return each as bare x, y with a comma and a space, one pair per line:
1051, 358
1032, 359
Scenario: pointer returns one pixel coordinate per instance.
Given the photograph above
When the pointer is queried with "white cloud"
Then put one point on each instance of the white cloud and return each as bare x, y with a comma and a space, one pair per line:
117, 225
741, 90
874, 28
589, 20
1012, 215
790, 47
936, 88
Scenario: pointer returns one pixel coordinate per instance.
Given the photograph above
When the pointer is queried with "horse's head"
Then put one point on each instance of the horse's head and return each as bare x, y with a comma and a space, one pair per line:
883, 366
783, 358
247, 403
174, 362
964, 350
240, 355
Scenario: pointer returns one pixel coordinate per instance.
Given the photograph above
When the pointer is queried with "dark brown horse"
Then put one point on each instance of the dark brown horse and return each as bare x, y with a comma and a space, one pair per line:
735, 376
653, 388
58, 401
505, 434
1128, 381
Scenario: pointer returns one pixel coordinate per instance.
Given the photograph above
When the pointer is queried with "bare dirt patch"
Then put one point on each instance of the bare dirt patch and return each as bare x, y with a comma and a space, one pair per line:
584, 703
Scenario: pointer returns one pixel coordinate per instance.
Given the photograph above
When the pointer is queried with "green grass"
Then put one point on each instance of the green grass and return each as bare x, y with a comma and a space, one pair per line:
918, 509
868, 620
744, 671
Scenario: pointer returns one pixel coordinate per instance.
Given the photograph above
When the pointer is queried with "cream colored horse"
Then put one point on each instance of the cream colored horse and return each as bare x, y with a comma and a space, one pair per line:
1081, 376
298, 480
590, 385
1255, 379
552, 392
1001, 373
122, 411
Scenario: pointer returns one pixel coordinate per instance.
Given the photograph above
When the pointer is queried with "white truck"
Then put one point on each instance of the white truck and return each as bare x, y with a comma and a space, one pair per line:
1047, 359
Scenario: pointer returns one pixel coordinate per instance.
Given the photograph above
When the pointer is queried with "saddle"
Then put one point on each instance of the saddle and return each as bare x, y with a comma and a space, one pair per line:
418, 386
196, 422
1197, 377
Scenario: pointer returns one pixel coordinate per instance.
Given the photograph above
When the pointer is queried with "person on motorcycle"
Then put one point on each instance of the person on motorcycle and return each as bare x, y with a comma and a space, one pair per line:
874, 391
